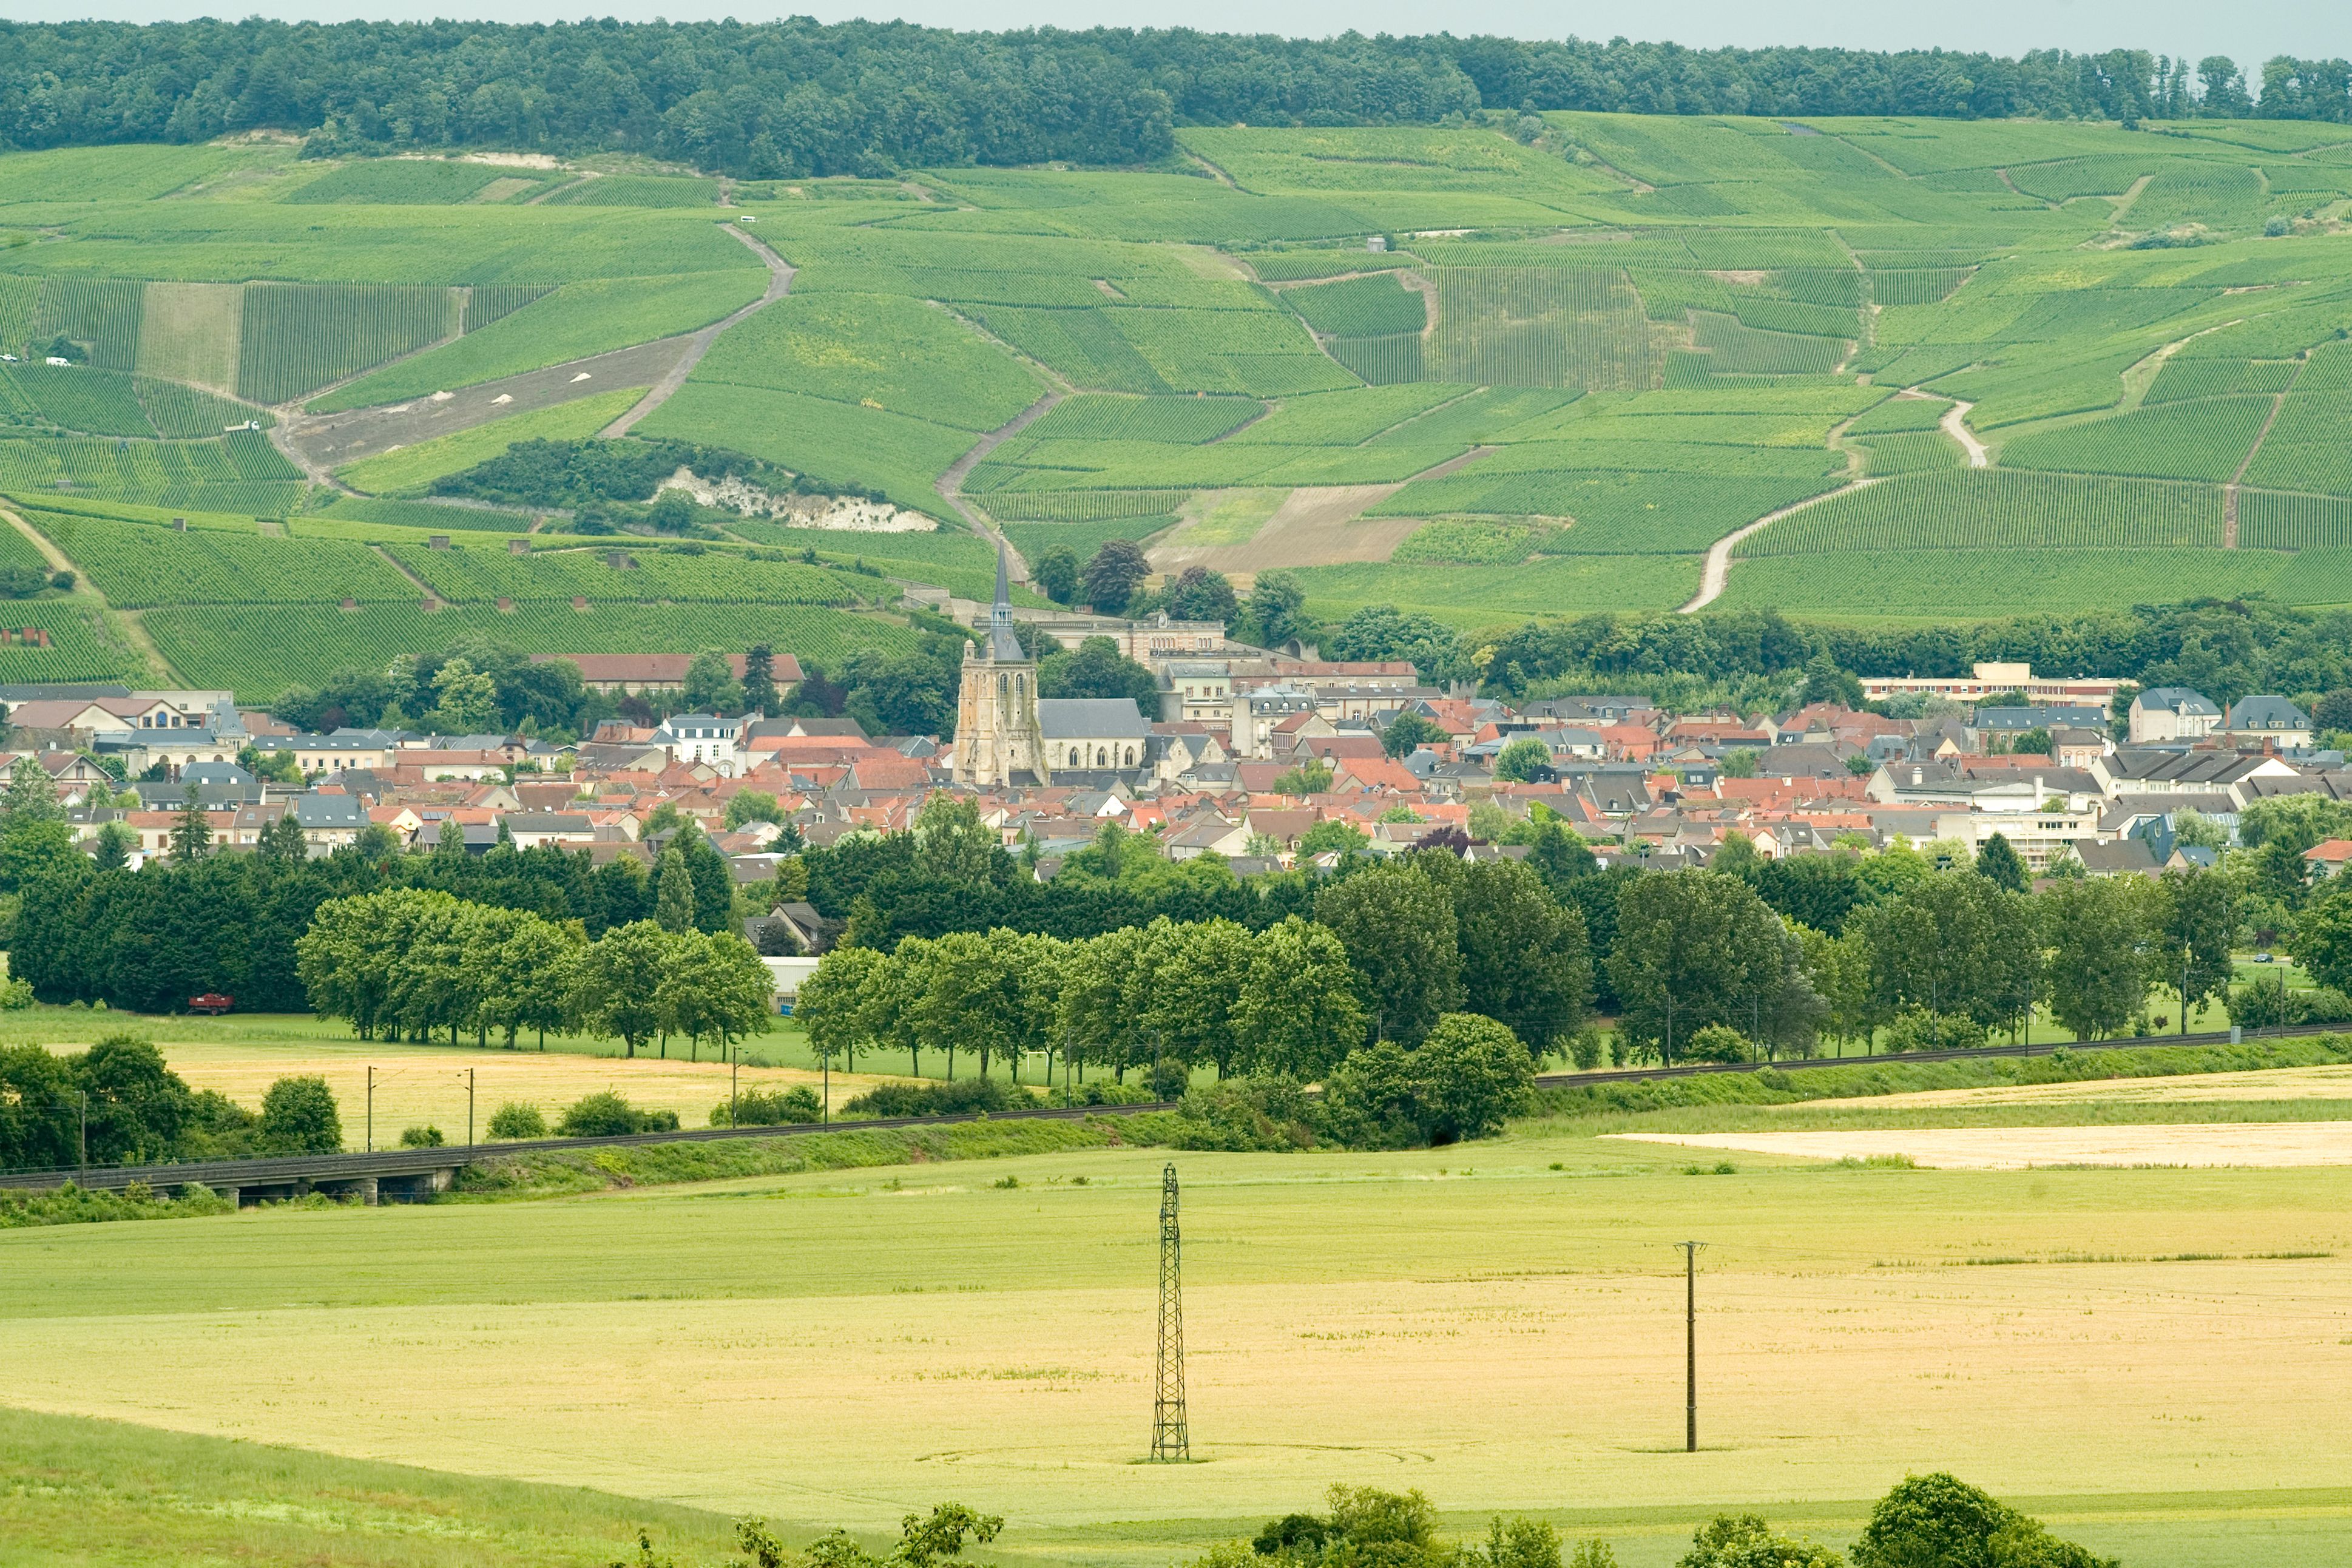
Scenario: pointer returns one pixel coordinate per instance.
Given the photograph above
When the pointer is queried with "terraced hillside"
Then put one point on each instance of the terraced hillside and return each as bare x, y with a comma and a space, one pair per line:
1537, 366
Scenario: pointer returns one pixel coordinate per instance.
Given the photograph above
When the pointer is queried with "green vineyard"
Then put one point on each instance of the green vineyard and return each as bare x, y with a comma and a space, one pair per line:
259, 652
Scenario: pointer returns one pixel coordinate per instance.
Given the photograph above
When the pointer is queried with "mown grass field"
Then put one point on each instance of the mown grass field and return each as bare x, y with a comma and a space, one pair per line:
1586, 357
1498, 1324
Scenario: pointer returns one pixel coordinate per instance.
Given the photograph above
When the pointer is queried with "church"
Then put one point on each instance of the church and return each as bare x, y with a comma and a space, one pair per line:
1005, 734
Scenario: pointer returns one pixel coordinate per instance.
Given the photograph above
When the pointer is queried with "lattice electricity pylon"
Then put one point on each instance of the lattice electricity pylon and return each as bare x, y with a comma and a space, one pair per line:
1170, 1438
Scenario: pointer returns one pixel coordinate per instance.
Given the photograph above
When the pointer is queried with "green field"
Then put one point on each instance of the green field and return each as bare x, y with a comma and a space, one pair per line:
2143, 1366
1621, 337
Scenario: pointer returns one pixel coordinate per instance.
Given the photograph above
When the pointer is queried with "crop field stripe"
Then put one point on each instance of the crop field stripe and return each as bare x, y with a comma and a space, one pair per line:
1991, 508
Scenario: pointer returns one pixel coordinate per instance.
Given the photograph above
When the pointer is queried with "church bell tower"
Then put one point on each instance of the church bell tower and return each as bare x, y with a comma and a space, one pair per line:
996, 739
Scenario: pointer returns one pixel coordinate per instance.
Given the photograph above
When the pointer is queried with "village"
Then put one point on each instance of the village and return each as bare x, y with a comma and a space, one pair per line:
1273, 760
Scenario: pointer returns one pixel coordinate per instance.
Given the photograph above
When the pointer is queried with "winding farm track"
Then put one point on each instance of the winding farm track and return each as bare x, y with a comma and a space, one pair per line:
951, 484
1956, 425
1716, 574
780, 283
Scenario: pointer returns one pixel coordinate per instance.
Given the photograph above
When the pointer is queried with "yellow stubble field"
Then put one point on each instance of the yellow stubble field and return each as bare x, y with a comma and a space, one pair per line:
1475, 1322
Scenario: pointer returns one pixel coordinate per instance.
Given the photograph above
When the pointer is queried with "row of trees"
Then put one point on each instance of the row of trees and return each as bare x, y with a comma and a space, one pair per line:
408, 961
118, 1103
146, 940
796, 98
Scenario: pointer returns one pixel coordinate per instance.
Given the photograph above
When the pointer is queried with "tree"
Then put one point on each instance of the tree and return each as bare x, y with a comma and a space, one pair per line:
192, 834
1409, 732
760, 693
1055, 572
715, 986
1825, 682
1999, 863
1112, 576
953, 845
136, 1105
31, 795
1746, 1540
1953, 943
1468, 1075
1928, 1521
112, 847
298, 1117
1524, 761
1296, 1013
849, 1004
531, 979
710, 684
1303, 779
1525, 962
1333, 834
2196, 922
616, 991
1739, 762
466, 701
1201, 594
2100, 936
1478, 1073
1692, 947
2323, 939
674, 893
281, 841
1838, 969
1096, 669
748, 806
1398, 928
1274, 614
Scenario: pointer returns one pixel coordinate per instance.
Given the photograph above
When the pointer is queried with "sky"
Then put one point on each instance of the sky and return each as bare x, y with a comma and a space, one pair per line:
2248, 30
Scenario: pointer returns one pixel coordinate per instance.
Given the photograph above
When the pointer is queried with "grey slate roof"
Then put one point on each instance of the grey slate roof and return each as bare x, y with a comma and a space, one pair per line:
1090, 718
2267, 713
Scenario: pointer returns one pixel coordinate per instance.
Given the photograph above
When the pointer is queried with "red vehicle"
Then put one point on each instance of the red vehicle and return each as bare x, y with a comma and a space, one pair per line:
211, 1001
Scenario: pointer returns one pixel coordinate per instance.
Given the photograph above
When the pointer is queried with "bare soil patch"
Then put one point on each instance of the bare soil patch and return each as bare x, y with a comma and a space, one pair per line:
1318, 525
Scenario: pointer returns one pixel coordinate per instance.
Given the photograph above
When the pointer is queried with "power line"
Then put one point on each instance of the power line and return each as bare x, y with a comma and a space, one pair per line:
1170, 1439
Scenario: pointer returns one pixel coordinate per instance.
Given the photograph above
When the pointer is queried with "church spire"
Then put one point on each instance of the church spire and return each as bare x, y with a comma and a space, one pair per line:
1004, 647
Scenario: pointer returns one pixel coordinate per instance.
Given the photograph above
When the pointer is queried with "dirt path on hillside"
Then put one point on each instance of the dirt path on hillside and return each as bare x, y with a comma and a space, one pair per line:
1716, 574
133, 631
1956, 425
2230, 491
951, 484
780, 283
1316, 525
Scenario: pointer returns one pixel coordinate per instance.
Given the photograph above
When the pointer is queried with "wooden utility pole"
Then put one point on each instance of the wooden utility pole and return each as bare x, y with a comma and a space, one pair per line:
1690, 1344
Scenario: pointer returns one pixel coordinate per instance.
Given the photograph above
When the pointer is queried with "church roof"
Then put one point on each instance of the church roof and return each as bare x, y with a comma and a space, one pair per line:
1091, 719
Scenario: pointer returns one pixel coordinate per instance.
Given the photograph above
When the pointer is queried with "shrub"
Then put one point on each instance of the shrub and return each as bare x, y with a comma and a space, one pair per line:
1245, 1114
426, 1137
1715, 1043
776, 1109
1745, 1541
608, 1115
1104, 1091
515, 1120
16, 996
1938, 1519
1467, 1076
298, 1117
2260, 1004
1916, 1029
962, 1097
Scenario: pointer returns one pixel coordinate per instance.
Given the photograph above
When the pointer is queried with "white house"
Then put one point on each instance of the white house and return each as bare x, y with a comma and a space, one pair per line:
701, 738
2172, 713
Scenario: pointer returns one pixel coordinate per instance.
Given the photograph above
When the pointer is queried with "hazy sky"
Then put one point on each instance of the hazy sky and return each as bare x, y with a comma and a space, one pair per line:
2249, 30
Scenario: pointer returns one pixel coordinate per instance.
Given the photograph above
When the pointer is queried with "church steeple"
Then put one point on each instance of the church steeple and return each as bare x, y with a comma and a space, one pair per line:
1004, 647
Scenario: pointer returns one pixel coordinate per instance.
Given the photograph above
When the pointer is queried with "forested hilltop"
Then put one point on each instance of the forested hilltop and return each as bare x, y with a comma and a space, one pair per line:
796, 97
